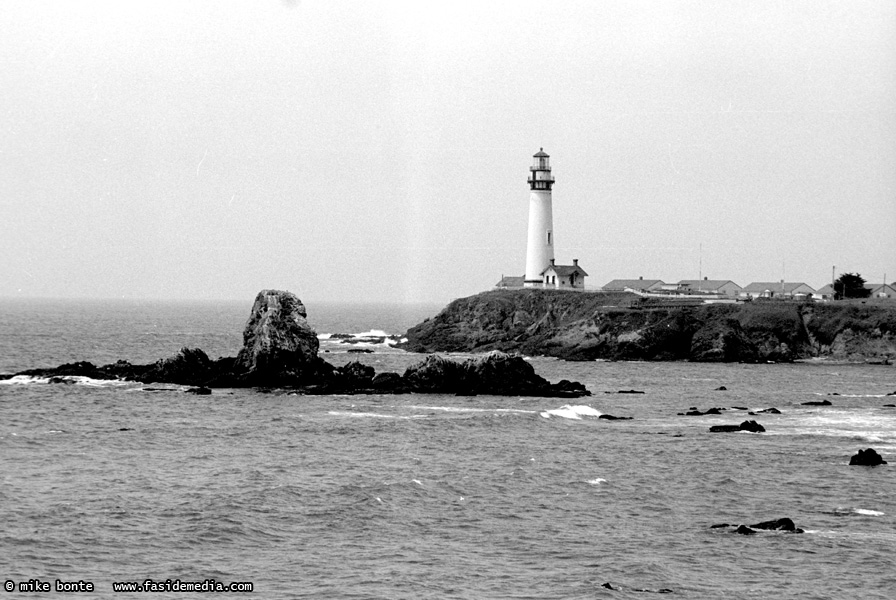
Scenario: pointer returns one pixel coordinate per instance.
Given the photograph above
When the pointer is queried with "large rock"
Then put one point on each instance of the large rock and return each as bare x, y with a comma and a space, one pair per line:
191, 366
867, 458
278, 343
493, 373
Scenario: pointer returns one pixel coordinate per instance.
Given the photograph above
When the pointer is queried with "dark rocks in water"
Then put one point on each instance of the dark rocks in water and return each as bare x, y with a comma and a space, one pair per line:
817, 403
739, 408
867, 458
771, 411
889, 405
891, 394
493, 373
629, 392
354, 375
784, 524
190, 366
199, 391
721, 388
359, 351
751, 426
612, 418
126, 429
280, 350
621, 588
387, 382
693, 412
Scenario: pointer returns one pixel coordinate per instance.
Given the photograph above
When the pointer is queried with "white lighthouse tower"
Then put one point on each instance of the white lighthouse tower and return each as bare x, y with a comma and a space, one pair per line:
540, 247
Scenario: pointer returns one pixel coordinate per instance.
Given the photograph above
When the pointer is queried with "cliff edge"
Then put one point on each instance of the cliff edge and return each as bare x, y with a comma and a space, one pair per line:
622, 326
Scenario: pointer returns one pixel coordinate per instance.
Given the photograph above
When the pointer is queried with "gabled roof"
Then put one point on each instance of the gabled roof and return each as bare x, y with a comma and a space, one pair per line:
565, 270
826, 289
637, 284
877, 286
510, 281
775, 286
706, 284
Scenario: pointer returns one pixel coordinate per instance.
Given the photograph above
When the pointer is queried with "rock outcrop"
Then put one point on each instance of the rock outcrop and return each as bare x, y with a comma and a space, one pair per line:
751, 426
784, 524
280, 350
494, 373
867, 458
621, 326
278, 344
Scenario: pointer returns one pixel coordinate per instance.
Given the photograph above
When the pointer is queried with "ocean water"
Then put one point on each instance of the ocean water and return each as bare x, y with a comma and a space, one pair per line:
432, 496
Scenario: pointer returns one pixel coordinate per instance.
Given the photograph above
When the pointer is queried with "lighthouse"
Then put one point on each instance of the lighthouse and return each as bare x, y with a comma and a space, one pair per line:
540, 246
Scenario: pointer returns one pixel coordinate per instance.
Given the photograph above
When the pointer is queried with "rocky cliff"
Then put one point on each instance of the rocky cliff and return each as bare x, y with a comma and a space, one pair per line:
621, 326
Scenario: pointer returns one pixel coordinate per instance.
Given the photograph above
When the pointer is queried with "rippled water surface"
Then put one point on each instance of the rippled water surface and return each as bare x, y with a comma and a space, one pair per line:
432, 496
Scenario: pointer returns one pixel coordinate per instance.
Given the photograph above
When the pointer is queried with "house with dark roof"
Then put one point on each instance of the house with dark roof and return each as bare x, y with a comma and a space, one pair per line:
825, 292
710, 286
640, 284
882, 290
509, 281
564, 276
776, 289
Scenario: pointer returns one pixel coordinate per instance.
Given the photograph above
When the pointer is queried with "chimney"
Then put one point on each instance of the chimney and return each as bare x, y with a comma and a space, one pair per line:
575, 262
552, 262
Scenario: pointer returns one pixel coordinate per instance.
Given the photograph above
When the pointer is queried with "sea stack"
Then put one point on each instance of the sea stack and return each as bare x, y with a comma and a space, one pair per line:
278, 343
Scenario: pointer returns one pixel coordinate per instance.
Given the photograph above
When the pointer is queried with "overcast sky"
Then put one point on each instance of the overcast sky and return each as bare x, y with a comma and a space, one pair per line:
379, 150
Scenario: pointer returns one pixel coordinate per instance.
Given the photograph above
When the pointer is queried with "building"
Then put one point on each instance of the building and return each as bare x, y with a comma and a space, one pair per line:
777, 289
882, 290
640, 284
564, 276
825, 292
510, 282
710, 286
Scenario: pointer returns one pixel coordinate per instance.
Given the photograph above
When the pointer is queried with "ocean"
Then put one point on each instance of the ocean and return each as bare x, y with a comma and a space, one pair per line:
430, 496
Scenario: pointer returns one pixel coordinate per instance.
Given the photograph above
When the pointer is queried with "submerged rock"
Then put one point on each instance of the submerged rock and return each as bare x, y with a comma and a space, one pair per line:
867, 458
817, 403
751, 426
784, 524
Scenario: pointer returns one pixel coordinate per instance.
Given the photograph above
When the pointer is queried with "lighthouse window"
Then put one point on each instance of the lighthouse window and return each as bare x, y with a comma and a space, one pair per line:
549, 238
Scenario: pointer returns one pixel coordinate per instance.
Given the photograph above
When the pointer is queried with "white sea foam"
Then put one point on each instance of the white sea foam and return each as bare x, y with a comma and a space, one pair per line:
338, 413
364, 338
868, 512
597, 481
65, 380
458, 409
571, 412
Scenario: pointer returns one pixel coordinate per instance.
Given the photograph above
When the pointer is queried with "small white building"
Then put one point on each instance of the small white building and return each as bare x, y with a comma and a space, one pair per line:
564, 277
640, 284
777, 289
710, 286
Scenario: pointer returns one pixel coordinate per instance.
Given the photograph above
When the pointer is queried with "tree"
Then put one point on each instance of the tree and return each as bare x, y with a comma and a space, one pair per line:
850, 285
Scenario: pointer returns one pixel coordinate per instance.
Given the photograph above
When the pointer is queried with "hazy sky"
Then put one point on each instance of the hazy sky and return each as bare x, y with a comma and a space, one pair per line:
380, 150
